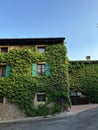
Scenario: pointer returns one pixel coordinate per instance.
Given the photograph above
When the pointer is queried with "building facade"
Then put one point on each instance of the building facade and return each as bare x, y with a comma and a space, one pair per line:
83, 79
34, 75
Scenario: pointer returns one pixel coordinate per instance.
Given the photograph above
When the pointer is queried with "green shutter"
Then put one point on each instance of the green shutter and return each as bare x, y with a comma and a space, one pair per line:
34, 70
47, 69
8, 71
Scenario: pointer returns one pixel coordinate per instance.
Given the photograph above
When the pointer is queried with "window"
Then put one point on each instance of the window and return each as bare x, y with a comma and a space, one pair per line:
4, 49
5, 70
2, 70
41, 69
41, 49
1, 99
41, 97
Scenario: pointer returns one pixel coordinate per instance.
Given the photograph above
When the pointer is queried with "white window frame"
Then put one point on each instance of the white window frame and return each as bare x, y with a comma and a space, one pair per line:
36, 102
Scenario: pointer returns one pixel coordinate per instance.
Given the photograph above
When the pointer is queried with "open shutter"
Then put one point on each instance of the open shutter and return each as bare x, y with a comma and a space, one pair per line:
47, 69
8, 71
34, 70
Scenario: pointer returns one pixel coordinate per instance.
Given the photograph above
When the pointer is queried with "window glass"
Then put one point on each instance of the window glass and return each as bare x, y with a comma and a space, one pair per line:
41, 97
41, 69
2, 70
41, 49
4, 49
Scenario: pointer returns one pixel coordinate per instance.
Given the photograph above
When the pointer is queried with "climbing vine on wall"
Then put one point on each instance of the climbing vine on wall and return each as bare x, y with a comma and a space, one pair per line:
20, 88
83, 76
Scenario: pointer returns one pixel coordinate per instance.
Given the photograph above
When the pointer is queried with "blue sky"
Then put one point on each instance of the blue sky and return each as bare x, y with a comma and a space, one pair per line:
73, 19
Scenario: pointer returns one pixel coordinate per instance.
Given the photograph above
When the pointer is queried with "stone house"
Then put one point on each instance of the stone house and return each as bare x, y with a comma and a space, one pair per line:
33, 71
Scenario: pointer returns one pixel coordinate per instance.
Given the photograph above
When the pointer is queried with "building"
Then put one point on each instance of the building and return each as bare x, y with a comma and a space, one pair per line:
83, 79
33, 75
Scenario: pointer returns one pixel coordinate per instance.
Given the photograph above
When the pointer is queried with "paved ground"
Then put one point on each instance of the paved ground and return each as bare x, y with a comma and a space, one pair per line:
74, 120
87, 120
80, 108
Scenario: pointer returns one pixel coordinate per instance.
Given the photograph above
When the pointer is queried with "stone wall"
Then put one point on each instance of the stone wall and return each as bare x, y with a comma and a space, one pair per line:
9, 111
11, 47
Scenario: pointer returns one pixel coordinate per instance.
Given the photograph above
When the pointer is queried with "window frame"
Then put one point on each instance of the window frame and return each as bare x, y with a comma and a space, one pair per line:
3, 69
36, 102
3, 47
41, 69
41, 97
36, 72
40, 46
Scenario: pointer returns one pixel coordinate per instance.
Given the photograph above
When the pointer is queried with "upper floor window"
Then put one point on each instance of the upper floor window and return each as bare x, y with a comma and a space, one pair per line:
4, 49
40, 69
41, 48
5, 70
2, 70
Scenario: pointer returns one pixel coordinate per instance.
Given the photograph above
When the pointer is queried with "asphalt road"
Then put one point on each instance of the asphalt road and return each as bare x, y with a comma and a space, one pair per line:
87, 120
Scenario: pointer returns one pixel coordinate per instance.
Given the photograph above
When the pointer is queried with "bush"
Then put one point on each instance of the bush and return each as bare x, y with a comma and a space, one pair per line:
56, 108
43, 110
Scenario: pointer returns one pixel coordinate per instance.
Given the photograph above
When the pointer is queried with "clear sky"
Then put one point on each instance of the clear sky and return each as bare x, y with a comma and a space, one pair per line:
75, 20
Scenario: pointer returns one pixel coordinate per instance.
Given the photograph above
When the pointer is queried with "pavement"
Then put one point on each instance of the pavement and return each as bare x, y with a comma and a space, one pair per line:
80, 108
75, 109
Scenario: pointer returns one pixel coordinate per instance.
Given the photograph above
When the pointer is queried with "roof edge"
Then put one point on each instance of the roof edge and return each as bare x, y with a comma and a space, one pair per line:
30, 41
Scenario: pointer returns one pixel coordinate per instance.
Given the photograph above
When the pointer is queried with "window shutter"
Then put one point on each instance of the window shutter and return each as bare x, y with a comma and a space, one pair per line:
47, 69
8, 71
34, 70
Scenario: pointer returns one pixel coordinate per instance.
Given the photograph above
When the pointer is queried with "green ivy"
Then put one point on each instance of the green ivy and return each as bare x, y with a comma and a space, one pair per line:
20, 88
83, 76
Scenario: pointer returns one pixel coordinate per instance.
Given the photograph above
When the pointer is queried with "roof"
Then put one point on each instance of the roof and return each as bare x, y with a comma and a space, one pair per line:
84, 61
30, 41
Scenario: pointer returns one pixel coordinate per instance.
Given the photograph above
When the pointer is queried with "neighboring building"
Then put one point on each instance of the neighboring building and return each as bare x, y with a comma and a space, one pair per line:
34, 74
83, 79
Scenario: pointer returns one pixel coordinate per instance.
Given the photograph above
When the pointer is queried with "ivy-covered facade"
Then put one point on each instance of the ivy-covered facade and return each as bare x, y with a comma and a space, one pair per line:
83, 77
34, 74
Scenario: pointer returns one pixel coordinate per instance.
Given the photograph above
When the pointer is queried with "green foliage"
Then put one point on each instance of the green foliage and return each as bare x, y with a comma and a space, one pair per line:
20, 88
43, 110
83, 76
56, 108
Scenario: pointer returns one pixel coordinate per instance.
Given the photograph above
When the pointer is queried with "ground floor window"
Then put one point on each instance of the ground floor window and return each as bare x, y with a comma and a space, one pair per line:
41, 97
